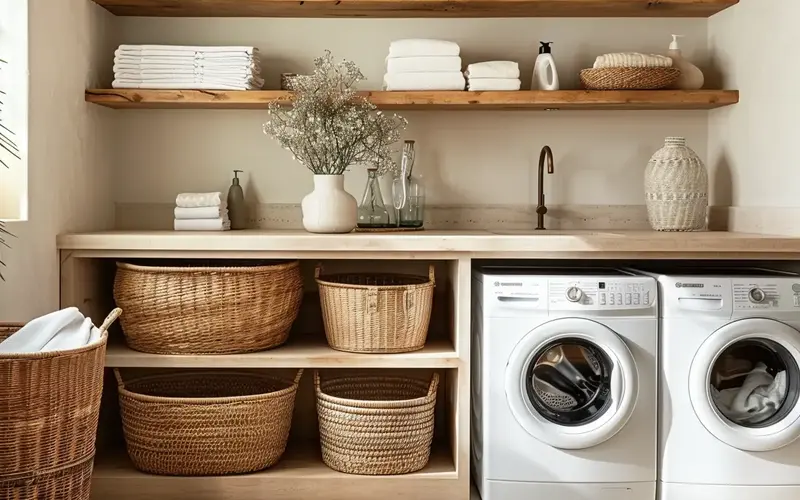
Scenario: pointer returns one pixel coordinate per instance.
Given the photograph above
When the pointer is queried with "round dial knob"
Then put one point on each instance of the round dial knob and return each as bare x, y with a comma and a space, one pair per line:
757, 295
574, 294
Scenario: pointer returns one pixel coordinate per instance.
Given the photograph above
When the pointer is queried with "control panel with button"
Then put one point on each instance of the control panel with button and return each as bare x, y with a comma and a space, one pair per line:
612, 294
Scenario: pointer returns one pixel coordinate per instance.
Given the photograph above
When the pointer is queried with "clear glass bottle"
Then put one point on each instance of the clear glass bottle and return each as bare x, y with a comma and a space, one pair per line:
372, 211
408, 192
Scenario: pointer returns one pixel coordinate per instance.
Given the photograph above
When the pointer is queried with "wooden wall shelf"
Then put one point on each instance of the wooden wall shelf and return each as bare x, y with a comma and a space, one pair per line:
521, 100
417, 8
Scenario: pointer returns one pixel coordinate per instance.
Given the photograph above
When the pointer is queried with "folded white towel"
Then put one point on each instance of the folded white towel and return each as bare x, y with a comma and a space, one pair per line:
194, 200
424, 81
188, 61
433, 64
632, 60
130, 84
493, 69
185, 71
201, 212
58, 331
494, 84
218, 224
187, 48
413, 47
251, 82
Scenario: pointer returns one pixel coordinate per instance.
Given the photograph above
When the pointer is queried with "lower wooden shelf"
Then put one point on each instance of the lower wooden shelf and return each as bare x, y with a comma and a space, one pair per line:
300, 475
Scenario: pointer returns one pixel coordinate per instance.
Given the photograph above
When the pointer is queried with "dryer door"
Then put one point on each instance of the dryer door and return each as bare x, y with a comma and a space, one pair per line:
572, 383
744, 384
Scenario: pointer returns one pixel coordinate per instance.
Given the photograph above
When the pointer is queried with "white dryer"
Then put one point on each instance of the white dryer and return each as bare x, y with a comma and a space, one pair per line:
564, 384
729, 412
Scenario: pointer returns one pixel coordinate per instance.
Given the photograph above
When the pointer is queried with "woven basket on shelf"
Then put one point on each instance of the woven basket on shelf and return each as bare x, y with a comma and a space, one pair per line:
376, 313
208, 310
629, 78
49, 409
376, 425
69, 482
206, 423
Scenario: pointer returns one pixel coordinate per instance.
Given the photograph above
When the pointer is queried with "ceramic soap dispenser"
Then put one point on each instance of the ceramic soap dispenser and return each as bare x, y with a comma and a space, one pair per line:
237, 209
545, 76
691, 77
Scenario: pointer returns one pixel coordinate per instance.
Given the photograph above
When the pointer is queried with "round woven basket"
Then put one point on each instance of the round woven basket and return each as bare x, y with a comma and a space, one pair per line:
69, 482
376, 313
208, 310
206, 423
49, 409
629, 78
376, 425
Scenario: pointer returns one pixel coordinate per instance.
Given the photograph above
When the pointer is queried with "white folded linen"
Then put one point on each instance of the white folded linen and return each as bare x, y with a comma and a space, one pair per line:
201, 212
632, 60
759, 398
62, 330
424, 81
218, 224
187, 48
194, 200
221, 61
493, 69
185, 71
232, 80
475, 84
413, 47
132, 84
432, 64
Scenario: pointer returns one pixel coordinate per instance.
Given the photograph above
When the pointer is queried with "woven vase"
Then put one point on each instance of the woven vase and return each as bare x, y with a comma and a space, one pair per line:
676, 188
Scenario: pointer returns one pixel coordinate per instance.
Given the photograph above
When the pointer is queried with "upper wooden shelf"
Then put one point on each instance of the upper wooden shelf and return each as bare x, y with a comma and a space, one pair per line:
449, 100
417, 8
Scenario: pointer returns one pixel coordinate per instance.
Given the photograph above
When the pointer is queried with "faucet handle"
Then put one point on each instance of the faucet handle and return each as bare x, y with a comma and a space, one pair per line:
541, 210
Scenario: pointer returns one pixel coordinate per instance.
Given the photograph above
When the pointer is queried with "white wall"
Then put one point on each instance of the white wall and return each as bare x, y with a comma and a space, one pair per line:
70, 150
467, 157
752, 146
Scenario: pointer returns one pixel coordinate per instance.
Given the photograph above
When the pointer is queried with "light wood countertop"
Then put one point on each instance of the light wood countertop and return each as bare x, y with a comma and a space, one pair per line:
433, 244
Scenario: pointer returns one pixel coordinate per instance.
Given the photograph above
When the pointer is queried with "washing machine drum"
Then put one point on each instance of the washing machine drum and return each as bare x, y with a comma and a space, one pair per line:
572, 383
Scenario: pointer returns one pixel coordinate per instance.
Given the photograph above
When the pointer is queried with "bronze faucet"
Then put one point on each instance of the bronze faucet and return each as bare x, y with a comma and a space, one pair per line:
541, 209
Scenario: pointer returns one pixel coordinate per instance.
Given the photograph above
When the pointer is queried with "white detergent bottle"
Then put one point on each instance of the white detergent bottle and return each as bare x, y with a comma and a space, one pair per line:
692, 77
545, 76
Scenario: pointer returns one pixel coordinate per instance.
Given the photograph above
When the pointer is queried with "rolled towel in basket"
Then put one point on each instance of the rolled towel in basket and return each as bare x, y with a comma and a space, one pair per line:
62, 330
193, 200
632, 60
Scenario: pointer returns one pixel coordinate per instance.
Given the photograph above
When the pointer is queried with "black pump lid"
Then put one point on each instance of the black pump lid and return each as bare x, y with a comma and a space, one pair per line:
545, 48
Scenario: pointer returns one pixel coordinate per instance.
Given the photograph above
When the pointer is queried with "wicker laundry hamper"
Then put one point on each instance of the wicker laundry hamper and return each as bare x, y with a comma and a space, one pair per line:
219, 309
376, 313
49, 409
376, 425
206, 423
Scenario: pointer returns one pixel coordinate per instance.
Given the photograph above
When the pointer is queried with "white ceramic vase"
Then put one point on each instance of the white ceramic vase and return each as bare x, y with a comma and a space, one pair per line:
676, 188
329, 208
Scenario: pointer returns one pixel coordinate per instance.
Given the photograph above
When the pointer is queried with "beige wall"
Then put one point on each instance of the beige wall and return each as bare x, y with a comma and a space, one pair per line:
752, 152
70, 146
467, 157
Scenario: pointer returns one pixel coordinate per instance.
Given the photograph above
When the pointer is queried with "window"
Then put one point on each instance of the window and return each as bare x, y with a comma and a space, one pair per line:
14, 114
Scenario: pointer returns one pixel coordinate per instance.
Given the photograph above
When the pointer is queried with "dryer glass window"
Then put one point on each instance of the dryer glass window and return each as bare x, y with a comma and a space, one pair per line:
754, 383
568, 382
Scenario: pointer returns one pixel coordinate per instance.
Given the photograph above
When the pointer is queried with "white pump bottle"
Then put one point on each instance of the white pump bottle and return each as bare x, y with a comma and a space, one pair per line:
545, 76
691, 77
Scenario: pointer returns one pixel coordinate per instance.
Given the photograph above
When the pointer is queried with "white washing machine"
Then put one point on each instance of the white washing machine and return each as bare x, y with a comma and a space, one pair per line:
729, 413
564, 384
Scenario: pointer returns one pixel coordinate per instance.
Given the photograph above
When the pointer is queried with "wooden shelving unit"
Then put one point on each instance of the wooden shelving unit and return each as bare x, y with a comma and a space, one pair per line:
441, 100
417, 8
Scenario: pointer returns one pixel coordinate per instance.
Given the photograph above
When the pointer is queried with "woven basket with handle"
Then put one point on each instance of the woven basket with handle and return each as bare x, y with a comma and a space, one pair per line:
376, 425
376, 313
208, 310
49, 409
206, 423
629, 78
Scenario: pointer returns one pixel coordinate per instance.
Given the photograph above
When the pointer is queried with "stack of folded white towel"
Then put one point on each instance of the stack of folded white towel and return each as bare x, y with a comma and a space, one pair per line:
63, 330
420, 64
185, 67
201, 212
493, 75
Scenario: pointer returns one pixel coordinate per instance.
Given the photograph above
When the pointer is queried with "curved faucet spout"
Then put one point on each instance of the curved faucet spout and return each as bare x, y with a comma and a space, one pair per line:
541, 209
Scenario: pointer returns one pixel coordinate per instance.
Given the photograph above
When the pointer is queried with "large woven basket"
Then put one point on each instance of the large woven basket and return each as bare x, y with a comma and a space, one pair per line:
376, 425
376, 313
49, 409
70, 482
206, 423
208, 310
629, 78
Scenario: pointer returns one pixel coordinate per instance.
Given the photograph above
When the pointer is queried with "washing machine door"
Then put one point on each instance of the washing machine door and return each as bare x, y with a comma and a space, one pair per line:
572, 383
744, 384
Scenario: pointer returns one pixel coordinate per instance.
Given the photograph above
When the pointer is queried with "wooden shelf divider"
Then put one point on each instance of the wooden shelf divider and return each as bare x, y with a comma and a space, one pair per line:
417, 8
422, 100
